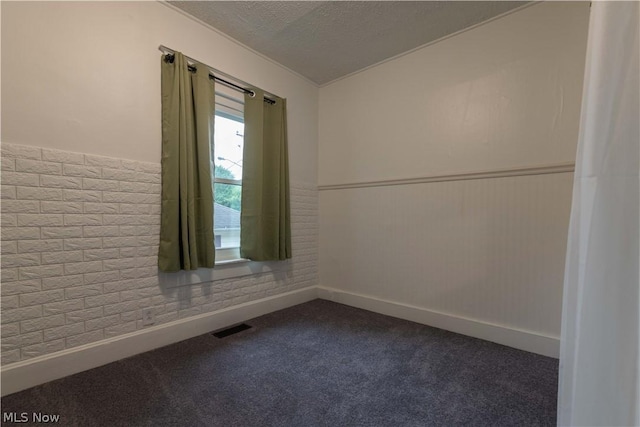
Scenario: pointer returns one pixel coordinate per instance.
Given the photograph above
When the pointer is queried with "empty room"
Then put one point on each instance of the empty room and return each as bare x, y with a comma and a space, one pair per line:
320, 213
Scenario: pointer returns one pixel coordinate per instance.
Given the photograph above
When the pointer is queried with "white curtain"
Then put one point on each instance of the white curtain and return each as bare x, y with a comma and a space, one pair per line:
600, 347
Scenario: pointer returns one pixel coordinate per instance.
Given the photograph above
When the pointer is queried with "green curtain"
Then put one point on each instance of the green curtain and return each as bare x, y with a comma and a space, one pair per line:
265, 214
188, 108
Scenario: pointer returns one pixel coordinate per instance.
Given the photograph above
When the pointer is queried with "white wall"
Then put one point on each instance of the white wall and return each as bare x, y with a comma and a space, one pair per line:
81, 142
85, 77
500, 96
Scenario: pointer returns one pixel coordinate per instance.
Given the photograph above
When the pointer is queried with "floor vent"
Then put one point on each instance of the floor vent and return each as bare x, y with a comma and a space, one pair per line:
232, 330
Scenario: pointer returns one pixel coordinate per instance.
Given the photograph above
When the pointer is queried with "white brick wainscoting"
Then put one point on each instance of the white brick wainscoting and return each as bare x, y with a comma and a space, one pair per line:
79, 252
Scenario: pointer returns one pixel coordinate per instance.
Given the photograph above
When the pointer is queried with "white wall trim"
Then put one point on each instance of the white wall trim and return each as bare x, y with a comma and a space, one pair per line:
39, 370
29, 373
496, 173
512, 337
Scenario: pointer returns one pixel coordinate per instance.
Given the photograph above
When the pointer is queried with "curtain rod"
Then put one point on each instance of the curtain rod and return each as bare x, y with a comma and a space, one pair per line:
212, 70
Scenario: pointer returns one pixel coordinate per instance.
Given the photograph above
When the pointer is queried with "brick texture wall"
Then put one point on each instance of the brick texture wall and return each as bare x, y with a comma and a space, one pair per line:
79, 252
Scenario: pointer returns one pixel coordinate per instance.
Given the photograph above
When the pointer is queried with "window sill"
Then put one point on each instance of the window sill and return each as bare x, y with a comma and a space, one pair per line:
226, 269
232, 261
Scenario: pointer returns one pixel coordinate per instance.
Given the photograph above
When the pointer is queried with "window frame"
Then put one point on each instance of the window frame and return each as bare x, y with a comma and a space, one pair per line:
231, 108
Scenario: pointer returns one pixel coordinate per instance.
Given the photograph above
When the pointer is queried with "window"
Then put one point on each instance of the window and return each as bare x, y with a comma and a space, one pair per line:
227, 187
266, 165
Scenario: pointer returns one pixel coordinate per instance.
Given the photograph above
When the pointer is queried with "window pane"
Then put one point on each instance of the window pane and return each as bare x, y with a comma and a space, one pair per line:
228, 195
226, 215
229, 141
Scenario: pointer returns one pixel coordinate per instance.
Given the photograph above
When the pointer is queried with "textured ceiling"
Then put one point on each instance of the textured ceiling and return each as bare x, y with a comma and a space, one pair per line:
326, 40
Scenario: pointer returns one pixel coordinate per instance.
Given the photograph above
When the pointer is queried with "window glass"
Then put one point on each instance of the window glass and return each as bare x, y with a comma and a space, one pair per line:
227, 159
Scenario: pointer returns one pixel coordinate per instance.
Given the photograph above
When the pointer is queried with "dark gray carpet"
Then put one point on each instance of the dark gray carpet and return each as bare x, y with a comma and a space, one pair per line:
316, 364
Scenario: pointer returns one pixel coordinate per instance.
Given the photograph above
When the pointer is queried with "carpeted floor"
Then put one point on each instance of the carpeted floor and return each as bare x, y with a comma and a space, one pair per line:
315, 364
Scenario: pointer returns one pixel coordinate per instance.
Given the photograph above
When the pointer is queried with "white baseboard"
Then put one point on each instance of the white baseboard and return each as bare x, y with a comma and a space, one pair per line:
39, 370
517, 338
22, 375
